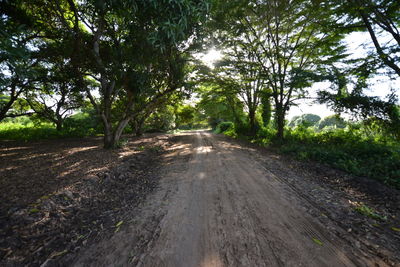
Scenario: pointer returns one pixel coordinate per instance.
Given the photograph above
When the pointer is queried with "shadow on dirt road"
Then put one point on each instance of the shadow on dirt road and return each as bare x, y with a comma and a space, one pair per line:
218, 206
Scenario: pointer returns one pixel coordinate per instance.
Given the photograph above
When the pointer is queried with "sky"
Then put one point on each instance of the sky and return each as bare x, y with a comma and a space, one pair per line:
358, 43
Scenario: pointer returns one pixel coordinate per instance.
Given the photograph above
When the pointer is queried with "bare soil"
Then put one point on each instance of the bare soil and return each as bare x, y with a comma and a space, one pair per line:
58, 196
193, 199
225, 203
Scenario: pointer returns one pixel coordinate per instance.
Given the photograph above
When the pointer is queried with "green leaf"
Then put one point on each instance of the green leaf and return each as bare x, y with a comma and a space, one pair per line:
58, 254
317, 241
396, 229
119, 223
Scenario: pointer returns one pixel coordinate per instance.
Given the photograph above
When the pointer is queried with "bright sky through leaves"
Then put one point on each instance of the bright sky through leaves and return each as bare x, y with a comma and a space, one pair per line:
357, 43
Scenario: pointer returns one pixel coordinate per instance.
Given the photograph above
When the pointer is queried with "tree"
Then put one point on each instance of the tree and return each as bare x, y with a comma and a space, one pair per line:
305, 120
220, 103
266, 111
334, 121
19, 68
380, 18
120, 47
185, 115
287, 41
162, 119
238, 74
56, 93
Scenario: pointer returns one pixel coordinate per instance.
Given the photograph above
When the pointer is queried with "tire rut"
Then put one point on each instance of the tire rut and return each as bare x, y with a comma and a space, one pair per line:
223, 208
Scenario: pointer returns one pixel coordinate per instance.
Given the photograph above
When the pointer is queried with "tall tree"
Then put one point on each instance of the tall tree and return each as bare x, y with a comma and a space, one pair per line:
239, 73
117, 45
18, 67
380, 19
286, 40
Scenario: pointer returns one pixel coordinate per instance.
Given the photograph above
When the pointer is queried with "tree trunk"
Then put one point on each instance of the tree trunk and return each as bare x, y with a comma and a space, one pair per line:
112, 137
266, 108
280, 121
108, 134
120, 128
139, 127
252, 121
59, 123
7, 106
59, 126
108, 140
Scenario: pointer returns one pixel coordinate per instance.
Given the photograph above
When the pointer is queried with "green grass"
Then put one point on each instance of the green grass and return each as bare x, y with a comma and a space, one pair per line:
347, 150
25, 132
369, 212
374, 156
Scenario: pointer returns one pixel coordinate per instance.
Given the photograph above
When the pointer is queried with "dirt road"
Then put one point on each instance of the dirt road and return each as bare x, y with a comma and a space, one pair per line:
218, 206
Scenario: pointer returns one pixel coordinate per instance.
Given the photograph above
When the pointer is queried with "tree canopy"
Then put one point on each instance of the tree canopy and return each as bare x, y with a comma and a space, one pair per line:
134, 60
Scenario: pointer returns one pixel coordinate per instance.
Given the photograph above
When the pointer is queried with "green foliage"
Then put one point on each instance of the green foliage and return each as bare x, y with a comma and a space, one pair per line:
83, 124
27, 131
185, 116
266, 110
162, 120
227, 128
217, 105
350, 150
224, 126
333, 121
265, 136
30, 128
306, 120
367, 211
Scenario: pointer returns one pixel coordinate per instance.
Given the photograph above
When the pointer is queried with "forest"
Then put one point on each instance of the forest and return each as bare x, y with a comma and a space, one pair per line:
72, 71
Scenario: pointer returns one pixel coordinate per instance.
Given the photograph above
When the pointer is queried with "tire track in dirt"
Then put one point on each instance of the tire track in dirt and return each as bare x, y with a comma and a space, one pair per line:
221, 208
268, 193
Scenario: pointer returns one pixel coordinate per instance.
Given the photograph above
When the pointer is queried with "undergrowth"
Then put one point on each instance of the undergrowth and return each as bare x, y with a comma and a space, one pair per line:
352, 150
25, 129
347, 150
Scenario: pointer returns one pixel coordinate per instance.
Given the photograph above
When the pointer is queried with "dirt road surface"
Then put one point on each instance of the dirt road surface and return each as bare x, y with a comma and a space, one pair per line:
217, 205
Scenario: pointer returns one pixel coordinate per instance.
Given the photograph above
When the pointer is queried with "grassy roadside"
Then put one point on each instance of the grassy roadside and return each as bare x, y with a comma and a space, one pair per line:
375, 157
348, 151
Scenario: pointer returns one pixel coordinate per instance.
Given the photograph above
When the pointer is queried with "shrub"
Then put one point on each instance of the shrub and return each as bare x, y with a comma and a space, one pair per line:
78, 125
224, 126
306, 120
348, 150
19, 131
82, 124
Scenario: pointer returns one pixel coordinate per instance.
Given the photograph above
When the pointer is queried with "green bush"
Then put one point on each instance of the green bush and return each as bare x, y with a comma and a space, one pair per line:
348, 150
224, 126
19, 131
24, 128
306, 120
82, 124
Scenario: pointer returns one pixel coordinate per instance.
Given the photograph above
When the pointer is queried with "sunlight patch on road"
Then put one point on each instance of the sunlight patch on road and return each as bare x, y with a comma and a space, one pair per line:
203, 149
212, 261
71, 151
201, 175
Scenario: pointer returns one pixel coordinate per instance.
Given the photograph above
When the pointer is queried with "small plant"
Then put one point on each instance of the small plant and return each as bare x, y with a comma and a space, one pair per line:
141, 148
34, 210
118, 226
317, 241
367, 211
122, 142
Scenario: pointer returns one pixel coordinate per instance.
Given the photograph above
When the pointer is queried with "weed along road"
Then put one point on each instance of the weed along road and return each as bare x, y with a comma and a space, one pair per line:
217, 205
